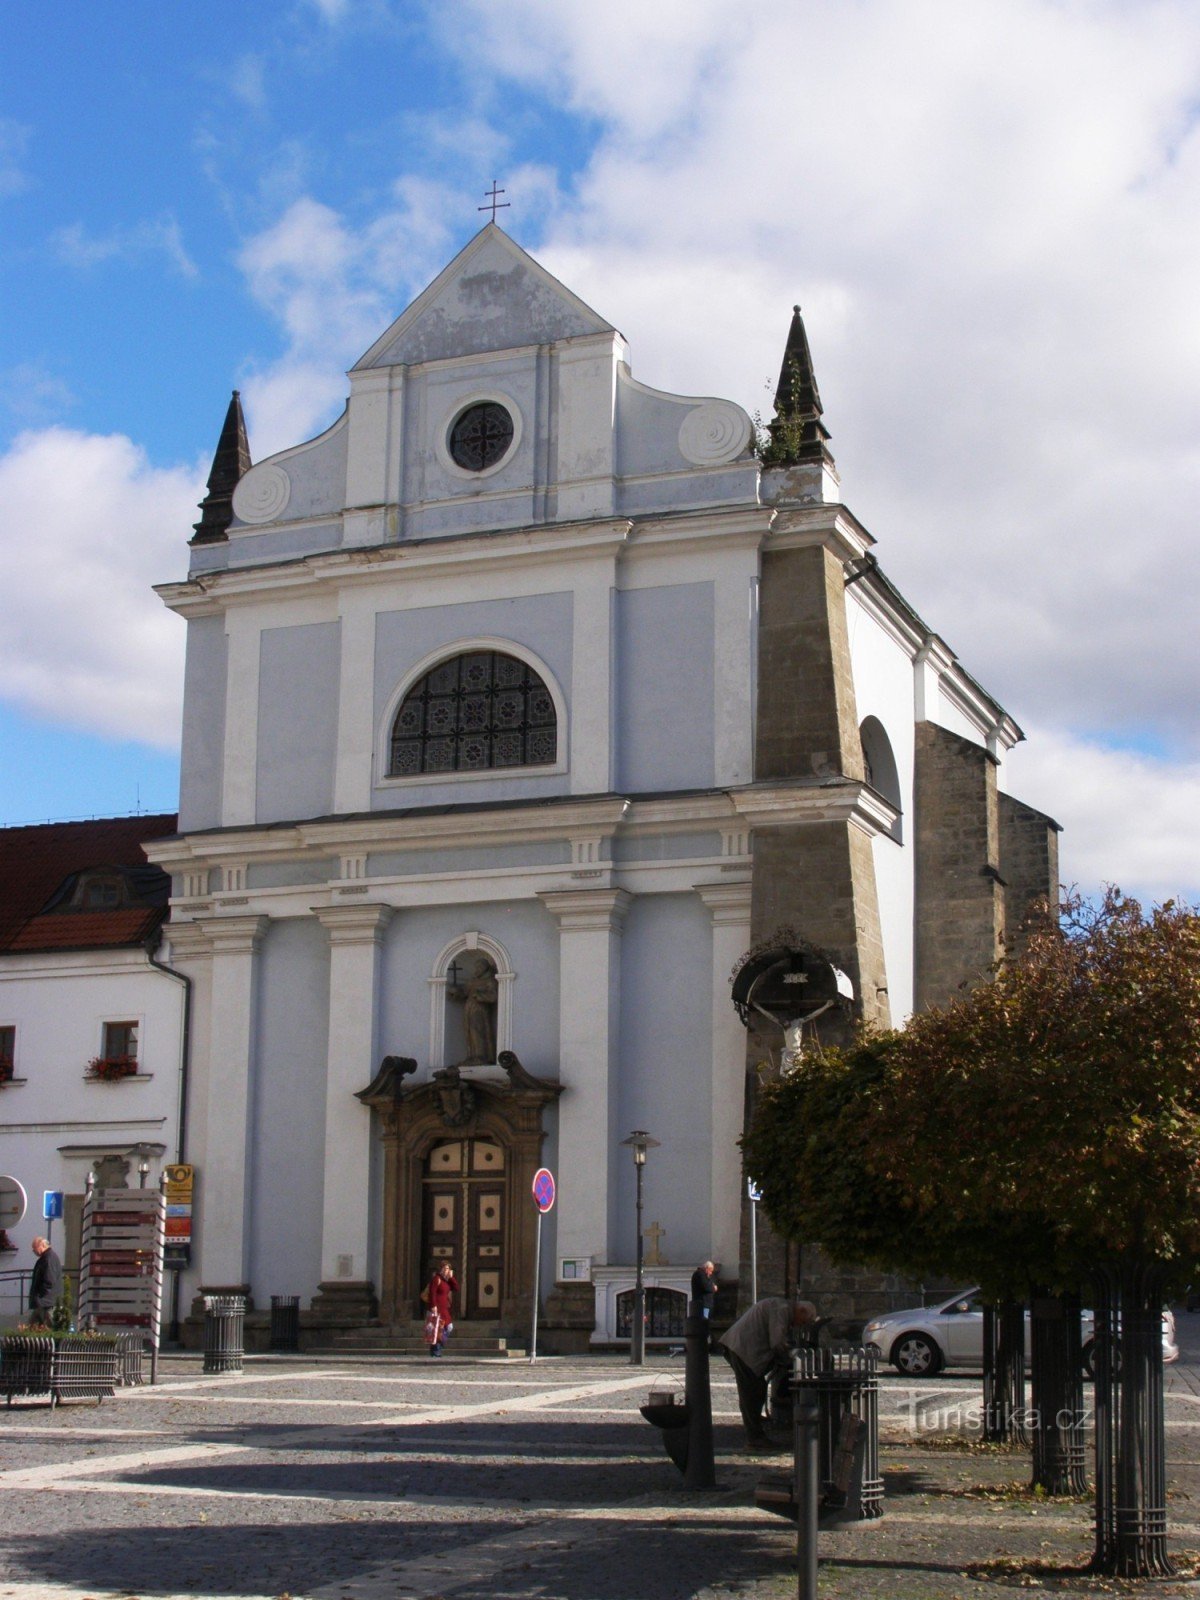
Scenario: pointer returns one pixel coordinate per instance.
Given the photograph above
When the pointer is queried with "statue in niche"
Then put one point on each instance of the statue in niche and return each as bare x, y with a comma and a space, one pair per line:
479, 997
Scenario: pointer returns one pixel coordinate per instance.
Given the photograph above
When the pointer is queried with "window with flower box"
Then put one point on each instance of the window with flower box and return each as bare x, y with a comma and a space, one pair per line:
8, 1052
119, 1055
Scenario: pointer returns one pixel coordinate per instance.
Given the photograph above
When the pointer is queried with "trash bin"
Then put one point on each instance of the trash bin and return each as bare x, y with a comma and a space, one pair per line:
224, 1323
285, 1322
846, 1380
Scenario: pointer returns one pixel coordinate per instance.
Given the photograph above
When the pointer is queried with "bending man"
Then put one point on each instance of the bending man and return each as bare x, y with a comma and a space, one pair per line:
752, 1346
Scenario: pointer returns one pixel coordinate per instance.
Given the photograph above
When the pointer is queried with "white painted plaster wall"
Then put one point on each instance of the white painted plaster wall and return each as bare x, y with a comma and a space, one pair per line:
59, 1004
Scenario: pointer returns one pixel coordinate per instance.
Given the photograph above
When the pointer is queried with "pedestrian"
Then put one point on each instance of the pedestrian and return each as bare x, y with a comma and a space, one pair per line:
443, 1286
704, 1289
45, 1284
752, 1346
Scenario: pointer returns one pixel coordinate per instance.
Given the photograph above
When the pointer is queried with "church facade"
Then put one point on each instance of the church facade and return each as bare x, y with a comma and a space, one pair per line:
518, 705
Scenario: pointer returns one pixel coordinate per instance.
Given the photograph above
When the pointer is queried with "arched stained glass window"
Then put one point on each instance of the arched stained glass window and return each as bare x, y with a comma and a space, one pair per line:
476, 711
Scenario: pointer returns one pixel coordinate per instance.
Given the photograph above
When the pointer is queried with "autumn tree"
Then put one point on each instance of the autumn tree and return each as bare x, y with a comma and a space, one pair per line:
1047, 1123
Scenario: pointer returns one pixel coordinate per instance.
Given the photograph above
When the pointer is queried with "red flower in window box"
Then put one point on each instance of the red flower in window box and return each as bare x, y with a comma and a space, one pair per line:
112, 1067
6, 1069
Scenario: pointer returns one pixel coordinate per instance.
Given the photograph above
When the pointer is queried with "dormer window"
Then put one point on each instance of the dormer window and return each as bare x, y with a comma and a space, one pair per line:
478, 711
100, 891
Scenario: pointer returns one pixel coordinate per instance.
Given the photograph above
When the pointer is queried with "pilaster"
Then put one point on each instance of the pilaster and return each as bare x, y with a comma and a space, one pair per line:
589, 922
728, 905
225, 1175
356, 703
591, 752
355, 938
239, 783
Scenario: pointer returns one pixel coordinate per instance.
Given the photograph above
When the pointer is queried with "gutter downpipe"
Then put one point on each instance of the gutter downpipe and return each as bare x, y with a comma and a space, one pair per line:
185, 1056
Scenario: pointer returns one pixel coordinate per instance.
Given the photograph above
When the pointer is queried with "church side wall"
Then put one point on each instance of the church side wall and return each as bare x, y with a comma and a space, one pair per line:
883, 688
666, 1075
1029, 864
202, 755
297, 721
665, 692
288, 1111
960, 900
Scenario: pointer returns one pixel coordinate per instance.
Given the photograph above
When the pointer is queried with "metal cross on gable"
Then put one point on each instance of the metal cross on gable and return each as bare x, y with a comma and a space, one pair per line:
496, 204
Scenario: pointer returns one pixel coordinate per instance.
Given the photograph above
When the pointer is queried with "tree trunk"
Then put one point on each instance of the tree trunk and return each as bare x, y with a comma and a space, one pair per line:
1056, 1363
1131, 1471
1004, 1373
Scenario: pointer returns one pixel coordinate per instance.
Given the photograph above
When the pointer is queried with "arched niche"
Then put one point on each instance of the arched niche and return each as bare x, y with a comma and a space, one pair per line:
453, 971
881, 772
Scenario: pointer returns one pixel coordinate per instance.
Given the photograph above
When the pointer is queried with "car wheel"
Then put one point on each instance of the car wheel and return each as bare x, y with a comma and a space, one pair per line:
1089, 1358
916, 1356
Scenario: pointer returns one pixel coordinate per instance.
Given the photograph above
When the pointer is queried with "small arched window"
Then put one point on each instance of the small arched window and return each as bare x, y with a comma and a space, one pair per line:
879, 764
473, 712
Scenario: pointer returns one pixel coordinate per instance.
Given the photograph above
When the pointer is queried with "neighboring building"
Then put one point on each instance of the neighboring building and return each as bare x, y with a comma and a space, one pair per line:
91, 1030
519, 703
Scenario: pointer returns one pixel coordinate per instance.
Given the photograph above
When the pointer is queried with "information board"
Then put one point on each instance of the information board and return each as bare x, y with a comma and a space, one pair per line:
121, 1261
179, 1182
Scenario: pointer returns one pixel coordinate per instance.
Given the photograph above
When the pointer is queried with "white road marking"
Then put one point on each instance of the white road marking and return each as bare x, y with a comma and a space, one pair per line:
59, 1473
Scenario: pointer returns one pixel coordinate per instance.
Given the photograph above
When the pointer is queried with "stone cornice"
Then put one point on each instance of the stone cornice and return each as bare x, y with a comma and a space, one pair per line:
346, 836
834, 526
230, 936
579, 910
727, 903
788, 804
611, 538
357, 924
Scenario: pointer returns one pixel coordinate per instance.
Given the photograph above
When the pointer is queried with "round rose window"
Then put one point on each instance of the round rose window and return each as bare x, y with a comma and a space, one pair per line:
481, 437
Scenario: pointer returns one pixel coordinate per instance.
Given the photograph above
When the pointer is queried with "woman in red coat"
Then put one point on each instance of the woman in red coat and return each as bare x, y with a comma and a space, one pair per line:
441, 1290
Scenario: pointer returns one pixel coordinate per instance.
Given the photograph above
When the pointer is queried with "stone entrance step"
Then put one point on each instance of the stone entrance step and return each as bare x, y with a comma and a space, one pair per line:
405, 1338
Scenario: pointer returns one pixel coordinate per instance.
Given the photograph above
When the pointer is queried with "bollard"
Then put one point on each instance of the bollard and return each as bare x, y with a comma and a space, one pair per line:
805, 1431
224, 1317
285, 1322
700, 1470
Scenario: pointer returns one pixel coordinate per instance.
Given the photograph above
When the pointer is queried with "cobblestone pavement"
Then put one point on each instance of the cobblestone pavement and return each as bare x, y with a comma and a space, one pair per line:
359, 1480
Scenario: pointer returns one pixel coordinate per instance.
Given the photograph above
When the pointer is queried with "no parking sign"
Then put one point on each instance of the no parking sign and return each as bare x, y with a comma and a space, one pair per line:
543, 1189
543, 1199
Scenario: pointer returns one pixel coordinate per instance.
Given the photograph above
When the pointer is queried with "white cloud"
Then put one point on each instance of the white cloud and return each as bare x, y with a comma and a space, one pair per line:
334, 288
987, 212
31, 393
163, 235
1128, 818
14, 140
246, 81
91, 525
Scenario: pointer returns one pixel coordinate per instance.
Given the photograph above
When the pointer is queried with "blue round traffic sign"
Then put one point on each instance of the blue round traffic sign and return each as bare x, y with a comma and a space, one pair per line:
543, 1188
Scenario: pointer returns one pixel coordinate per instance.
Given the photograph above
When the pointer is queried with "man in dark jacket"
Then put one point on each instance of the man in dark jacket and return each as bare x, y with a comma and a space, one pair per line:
45, 1283
704, 1289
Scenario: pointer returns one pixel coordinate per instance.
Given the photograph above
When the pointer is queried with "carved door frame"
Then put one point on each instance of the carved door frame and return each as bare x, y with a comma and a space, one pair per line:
413, 1121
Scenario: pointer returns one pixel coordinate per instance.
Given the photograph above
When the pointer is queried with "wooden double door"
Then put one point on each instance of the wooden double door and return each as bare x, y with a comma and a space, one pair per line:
463, 1222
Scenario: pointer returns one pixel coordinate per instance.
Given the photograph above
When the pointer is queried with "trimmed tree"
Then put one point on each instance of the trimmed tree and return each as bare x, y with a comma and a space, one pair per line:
1044, 1129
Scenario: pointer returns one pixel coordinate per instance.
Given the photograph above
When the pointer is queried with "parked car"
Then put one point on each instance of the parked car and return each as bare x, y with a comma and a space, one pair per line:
922, 1341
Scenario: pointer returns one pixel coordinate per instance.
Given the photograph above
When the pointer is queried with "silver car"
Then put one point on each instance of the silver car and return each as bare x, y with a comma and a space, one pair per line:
922, 1341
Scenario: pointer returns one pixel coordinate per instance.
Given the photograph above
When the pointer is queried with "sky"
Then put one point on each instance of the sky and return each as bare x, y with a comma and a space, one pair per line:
990, 214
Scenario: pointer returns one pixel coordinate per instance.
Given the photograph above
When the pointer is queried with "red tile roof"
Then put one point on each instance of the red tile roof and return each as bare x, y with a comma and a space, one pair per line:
36, 861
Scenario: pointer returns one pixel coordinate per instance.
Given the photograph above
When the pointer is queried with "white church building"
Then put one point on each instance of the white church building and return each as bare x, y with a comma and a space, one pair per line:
519, 704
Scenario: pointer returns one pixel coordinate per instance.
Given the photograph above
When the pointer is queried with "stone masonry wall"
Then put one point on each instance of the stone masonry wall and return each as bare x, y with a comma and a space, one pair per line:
1029, 863
807, 720
817, 877
959, 908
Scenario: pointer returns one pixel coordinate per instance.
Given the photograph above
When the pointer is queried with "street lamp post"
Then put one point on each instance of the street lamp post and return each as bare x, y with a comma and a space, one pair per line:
639, 1141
